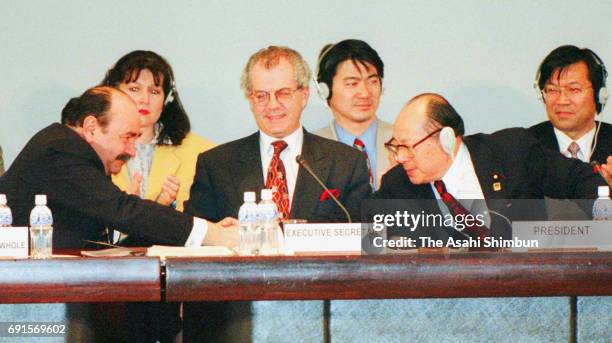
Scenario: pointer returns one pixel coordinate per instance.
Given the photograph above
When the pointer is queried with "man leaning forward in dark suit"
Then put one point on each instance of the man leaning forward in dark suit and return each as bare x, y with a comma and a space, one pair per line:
72, 162
572, 84
275, 83
499, 167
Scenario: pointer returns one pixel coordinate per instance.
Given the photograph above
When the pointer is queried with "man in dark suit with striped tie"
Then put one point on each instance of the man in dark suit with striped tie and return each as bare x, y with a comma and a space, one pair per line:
436, 161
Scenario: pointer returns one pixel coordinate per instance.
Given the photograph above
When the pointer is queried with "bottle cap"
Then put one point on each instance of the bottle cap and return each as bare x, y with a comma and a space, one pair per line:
266, 194
249, 196
40, 200
603, 191
2, 199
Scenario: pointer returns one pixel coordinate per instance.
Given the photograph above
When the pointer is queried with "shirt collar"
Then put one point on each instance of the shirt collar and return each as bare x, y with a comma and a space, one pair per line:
156, 130
294, 142
460, 179
583, 142
454, 175
368, 137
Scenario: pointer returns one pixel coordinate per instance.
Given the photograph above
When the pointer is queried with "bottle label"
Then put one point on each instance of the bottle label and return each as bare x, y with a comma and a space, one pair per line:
41, 216
6, 219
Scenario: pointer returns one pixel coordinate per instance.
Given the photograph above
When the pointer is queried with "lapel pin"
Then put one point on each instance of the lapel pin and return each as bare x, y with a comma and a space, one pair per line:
497, 186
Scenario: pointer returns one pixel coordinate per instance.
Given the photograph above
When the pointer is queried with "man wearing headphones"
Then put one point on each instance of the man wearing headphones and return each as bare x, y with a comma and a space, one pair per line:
349, 79
572, 84
437, 161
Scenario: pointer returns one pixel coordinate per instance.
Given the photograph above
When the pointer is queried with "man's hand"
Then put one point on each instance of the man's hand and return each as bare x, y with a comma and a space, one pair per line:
606, 170
169, 190
224, 233
229, 222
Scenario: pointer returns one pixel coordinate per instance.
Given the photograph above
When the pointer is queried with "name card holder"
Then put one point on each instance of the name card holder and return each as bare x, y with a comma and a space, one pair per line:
567, 234
14, 242
322, 238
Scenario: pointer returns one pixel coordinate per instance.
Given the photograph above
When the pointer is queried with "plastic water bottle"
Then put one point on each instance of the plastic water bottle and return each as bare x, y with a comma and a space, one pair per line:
247, 216
6, 216
41, 229
602, 208
271, 235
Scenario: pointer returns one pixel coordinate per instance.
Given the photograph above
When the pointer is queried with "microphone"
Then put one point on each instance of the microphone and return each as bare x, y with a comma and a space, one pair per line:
302, 162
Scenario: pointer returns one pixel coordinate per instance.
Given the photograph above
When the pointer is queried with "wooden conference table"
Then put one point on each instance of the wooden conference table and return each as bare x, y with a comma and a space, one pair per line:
420, 275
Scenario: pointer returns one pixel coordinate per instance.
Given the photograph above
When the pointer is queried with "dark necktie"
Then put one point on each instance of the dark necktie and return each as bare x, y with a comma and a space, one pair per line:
358, 144
277, 180
456, 208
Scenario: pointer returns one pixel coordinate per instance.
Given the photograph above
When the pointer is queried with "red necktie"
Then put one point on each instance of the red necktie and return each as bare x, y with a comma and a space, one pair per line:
277, 180
456, 208
358, 144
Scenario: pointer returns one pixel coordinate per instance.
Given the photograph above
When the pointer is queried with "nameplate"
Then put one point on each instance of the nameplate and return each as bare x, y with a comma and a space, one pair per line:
322, 238
566, 234
14, 242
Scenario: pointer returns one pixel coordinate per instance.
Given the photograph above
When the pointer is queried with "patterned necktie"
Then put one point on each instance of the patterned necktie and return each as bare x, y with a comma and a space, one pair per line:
358, 144
456, 208
573, 149
277, 180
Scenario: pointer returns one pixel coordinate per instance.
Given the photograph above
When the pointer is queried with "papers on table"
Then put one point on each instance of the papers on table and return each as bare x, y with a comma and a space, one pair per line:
164, 251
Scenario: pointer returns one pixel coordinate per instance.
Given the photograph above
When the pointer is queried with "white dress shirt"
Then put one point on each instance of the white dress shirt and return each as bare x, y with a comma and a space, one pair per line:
294, 147
462, 183
196, 237
460, 179
584, 154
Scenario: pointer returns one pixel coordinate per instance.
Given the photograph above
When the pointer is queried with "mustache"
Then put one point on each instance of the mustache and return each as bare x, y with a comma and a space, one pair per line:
123, 157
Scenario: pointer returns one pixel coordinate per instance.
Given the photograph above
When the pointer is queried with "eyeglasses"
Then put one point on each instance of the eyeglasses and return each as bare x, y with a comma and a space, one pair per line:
283, 96
552, 92
397, 149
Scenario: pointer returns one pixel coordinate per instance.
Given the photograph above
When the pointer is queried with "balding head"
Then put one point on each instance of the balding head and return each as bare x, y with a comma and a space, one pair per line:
432, 110
417, 127
108, 120
96, 102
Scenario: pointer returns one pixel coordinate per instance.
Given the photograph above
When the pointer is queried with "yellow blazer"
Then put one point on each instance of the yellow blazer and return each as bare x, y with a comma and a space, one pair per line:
169, 159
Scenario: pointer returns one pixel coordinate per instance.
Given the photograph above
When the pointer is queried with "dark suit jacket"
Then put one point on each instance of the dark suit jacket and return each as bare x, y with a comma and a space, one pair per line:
224, 173
545, 133
82, 198
524, 168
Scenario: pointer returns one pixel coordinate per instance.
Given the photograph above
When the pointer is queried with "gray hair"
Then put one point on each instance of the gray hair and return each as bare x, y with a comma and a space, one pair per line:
270, 57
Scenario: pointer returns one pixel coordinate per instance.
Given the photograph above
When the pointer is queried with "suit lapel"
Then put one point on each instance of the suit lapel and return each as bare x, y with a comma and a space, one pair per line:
332, 132
383, 133
549, 137
248, 175
488, 169
307, 190
603, 149
164, 162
